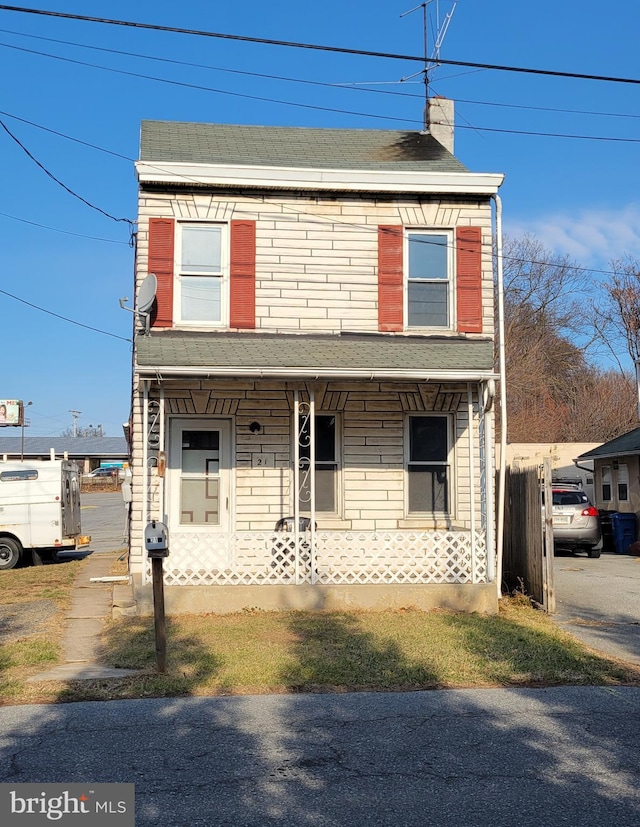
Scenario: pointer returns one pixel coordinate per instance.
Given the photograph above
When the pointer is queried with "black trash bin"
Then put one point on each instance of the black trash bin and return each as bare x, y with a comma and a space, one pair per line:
624, 531
606, 526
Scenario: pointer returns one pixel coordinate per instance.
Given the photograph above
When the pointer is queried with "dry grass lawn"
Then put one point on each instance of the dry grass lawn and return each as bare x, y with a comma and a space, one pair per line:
266, 652
33, 603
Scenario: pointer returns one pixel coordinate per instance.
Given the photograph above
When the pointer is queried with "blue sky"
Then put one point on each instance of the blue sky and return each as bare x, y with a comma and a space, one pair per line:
579, 196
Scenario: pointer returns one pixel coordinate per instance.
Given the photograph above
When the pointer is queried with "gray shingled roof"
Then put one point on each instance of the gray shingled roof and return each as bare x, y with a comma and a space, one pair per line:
280, 146
106, 446
628, 443
307, 354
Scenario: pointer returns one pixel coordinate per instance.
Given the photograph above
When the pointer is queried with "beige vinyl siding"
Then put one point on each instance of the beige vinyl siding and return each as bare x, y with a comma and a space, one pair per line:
316, 258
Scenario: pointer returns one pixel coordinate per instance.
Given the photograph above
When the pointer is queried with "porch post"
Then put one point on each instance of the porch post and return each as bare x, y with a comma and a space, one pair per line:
161, 467
296, 479
472, 485
487, 413
312, 483
145, 470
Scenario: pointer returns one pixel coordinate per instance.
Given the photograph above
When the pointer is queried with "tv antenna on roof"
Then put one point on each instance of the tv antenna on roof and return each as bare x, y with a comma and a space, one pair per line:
146, 297
430, 62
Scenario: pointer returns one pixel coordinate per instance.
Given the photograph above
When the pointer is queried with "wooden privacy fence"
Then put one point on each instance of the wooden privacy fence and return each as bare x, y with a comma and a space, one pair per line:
525, 563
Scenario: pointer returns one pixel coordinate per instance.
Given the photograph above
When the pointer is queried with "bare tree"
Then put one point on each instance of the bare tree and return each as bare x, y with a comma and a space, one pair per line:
542, 316
601, 407
554, 392
616, 318
542, 289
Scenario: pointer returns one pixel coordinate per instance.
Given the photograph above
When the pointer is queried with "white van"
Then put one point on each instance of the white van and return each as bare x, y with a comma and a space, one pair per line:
39, 511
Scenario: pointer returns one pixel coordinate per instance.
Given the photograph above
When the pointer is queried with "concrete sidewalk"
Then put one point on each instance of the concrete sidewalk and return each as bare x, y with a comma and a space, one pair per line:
92, 604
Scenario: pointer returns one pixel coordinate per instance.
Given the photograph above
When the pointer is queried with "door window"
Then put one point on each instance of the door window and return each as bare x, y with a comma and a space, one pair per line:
200, 474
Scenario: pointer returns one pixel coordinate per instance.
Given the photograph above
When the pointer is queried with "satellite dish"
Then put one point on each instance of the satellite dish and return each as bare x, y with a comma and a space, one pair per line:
146, 298
147, 293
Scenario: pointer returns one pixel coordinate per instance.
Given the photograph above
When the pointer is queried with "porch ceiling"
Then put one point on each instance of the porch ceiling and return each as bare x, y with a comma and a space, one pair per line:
309, 356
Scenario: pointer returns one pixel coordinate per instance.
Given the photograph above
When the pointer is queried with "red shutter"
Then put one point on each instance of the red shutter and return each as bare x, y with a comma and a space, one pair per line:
243, 275
161, 234
390, 278
469, 279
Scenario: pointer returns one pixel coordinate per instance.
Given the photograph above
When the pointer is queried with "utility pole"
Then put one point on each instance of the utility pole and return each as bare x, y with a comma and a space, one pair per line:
25, 423
75, 415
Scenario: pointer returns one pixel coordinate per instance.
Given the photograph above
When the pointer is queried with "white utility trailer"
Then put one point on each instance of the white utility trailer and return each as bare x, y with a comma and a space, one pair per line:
39, 511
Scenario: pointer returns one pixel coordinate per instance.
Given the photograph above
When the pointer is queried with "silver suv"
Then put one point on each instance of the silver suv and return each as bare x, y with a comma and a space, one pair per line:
576, 524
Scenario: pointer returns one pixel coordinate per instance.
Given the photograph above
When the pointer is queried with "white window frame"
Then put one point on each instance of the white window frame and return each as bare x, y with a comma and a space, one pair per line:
606, 478
339, 466
449, 464
224, 275
450, 281
622, 478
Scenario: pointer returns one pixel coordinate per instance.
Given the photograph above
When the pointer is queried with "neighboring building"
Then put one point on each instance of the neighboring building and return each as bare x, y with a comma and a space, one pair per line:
87, 452
617, 473
563, 460
321, 348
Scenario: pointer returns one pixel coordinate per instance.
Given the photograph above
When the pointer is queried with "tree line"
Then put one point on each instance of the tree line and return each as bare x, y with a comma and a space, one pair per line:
562, 324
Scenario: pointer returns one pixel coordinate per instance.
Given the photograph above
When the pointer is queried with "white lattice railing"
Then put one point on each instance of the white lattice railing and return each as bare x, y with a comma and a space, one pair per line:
340, 557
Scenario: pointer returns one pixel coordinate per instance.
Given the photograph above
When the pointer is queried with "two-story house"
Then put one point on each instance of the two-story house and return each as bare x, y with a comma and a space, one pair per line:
312, 403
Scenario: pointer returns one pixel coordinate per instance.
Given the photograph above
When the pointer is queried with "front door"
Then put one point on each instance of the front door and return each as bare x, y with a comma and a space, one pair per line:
199, 468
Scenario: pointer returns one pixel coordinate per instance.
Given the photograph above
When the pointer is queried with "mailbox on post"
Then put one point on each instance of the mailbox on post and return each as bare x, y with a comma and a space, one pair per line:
156, 539
157, 546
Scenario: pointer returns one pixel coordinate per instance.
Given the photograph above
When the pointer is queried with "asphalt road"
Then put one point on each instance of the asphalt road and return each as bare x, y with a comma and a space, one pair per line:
598, 601
103, 516
535, 758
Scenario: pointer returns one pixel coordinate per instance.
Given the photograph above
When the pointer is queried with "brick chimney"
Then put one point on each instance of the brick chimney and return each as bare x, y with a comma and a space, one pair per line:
440, 121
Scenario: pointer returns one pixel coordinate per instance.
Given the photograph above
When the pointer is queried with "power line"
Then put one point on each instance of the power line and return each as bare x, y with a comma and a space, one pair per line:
68, 137
201, 88
264, 75
64, 318
219, 35
351, 86
529, 107
58, 181
551, 134
322, 48
302, 106
58, 230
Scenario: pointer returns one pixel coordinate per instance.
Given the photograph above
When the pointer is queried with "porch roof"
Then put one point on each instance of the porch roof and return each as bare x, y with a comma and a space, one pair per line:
307, 356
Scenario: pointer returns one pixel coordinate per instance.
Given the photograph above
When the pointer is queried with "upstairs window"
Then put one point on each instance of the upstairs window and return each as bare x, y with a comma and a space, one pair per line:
202, 278
210, 279
429, 279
